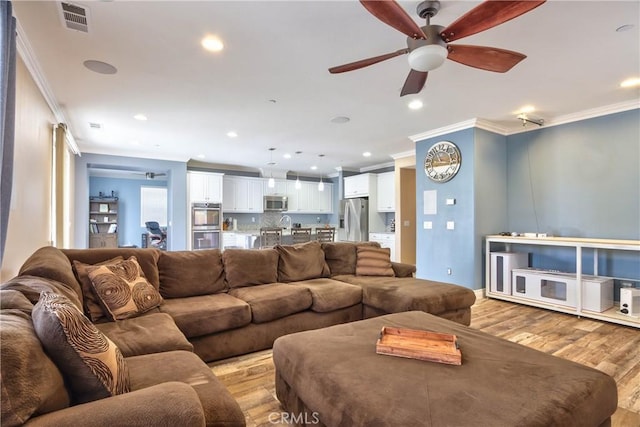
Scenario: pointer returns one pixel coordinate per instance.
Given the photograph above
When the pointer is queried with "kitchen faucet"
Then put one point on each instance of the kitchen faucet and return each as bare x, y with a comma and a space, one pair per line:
285, 218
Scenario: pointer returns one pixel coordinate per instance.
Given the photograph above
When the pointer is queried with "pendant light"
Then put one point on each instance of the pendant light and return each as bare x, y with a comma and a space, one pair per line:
321, 184
271, 183
298, 183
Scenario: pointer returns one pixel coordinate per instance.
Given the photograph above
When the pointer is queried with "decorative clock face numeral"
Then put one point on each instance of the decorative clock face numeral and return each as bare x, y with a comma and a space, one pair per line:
442, 161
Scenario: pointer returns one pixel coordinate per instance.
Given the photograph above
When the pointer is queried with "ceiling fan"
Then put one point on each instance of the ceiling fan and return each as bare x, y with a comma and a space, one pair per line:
429, 46
150, 175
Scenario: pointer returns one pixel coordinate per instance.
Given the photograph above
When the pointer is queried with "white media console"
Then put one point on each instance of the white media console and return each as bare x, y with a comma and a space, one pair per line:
509, 277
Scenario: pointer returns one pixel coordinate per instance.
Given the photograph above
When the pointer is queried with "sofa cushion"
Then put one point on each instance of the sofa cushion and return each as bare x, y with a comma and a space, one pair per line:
373, 261
149, 333
90, 301
329, 295
395, 294
51, 263
301, 262
248, 267
122, 289
273, 301
190, 273
32, 286
147, 258
341, 256
219, 407
207, 314
31, 384
91, 362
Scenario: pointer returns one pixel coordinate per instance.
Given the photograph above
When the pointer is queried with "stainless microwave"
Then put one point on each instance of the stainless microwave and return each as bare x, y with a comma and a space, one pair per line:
276, 203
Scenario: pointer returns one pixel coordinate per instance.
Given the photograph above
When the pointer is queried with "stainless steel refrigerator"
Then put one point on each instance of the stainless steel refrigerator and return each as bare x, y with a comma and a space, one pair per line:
354, 220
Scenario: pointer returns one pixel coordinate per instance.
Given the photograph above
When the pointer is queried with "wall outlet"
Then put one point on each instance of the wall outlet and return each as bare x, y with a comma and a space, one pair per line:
451, 225
451, 202
449, 271
427, 225
253, 219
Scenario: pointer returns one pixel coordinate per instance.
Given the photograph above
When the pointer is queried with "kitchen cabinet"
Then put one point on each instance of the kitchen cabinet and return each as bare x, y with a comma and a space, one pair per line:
308, 199
386, 190
242, 194
280, 187
205, 187
386, 240
363, 185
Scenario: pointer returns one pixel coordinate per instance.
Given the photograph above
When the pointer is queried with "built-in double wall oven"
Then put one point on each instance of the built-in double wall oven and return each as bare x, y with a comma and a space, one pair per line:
206, 223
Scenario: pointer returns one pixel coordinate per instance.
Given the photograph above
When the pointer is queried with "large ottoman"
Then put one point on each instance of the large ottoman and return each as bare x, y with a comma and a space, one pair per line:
334, 377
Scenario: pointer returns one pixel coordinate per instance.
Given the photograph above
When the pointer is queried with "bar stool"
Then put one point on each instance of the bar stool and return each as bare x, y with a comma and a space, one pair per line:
326, 234
270, 236
300, 235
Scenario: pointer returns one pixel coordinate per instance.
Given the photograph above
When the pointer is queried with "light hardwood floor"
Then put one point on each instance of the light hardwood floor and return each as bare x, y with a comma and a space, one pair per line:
610, 348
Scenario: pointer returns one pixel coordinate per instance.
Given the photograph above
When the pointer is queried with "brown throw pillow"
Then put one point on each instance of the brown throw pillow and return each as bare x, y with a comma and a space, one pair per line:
122, 289
374, 261
90, 301
301, 262
91, 363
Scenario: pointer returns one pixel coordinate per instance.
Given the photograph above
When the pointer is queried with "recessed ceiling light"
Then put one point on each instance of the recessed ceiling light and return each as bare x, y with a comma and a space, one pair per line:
212, 44
526, 109
632, 82
314, 167
286, 155
416, 104
100, 67
140, 117
232, 134
201, 156
366, 154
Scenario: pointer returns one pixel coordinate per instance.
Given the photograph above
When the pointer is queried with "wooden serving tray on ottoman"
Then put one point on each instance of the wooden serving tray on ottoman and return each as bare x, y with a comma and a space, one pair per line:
419, 344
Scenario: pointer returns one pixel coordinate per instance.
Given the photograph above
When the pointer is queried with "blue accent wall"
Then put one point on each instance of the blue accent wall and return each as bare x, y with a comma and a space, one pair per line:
176, 191
581, 179
128, 193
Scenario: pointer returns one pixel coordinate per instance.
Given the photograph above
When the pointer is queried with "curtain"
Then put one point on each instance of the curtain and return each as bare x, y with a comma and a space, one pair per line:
7, 113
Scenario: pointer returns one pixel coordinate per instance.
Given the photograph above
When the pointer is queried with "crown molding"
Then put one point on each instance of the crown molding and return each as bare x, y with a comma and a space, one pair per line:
404, 154
378, 166
471, 123
33, 66
586, 114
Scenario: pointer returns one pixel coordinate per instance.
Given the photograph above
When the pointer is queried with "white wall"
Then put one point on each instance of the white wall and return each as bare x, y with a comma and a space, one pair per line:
29, 216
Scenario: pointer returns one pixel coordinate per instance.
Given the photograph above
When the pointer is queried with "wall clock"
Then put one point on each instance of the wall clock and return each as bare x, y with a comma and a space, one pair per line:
442, 161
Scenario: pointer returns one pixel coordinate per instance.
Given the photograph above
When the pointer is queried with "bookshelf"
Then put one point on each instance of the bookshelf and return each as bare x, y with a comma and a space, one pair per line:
103, 222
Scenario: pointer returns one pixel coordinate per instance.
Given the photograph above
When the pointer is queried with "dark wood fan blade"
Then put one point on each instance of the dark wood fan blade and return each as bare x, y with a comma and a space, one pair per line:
487, 15
414, 83
392, 14
366, 62
485, 58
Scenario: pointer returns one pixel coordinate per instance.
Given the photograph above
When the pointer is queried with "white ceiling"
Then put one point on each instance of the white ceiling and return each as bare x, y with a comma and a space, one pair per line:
272, 87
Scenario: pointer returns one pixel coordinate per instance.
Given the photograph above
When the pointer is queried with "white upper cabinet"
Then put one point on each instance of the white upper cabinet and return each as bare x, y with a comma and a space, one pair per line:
386, 192
362, 185
308, 199
243, 194
205, 187
280, 187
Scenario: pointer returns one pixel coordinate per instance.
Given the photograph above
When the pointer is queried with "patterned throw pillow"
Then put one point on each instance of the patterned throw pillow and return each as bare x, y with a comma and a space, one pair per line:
92, 308
374, 261
91, 363
122, 289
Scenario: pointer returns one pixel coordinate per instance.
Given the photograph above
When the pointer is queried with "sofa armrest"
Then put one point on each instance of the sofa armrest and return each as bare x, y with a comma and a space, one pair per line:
402, 269
166, 404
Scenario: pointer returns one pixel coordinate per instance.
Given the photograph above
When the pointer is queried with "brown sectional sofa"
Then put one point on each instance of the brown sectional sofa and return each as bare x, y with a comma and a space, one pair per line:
213, 305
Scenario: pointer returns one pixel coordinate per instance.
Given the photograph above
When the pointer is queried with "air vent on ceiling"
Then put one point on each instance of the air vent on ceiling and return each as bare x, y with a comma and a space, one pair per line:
93, 125
75, 17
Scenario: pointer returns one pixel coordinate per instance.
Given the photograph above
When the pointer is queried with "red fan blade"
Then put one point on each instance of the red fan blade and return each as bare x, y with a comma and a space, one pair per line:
392, 14
485, 58
366, 62
487, 15
414, 83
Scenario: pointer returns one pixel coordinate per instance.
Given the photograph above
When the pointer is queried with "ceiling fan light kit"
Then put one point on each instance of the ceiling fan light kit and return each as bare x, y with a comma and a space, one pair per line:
428, 46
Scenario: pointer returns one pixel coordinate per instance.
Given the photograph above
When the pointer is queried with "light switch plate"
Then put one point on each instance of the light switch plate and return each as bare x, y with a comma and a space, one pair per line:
427, 225
451, 225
